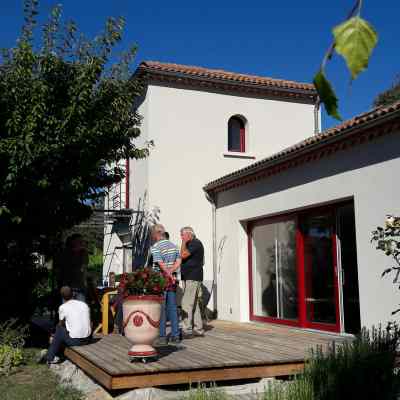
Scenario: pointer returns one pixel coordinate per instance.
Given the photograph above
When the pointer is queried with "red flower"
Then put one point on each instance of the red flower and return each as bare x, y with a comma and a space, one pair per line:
145, 281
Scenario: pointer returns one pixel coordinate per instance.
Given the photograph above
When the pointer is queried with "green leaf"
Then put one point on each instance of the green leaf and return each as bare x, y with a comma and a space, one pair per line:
327, 95
354, 41
43, 183
16, 219
4, 210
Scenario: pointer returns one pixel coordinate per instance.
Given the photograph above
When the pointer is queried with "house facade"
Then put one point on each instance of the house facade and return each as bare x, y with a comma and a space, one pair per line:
204, 124
293, 231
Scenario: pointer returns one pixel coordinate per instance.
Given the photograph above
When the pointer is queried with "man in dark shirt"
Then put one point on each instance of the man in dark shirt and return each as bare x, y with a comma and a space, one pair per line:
192, 253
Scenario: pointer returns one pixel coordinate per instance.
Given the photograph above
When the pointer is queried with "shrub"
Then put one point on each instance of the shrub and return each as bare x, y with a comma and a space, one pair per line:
95, 266
361, 369
387, 240
10, 358
12, 334
12, 339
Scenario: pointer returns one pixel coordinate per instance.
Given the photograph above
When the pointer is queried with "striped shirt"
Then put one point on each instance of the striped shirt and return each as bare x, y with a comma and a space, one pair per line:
166, 252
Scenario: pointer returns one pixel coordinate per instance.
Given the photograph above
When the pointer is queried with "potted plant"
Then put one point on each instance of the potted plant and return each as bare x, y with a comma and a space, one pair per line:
143, 296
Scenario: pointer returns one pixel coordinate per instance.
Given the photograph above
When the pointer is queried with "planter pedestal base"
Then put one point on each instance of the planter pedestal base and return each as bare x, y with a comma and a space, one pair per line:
141, 351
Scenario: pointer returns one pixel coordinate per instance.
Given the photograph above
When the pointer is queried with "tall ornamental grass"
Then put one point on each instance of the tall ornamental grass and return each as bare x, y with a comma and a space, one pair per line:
360, 369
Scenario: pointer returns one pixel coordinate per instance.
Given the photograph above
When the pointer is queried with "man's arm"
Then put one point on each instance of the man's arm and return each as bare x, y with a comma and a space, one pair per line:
155, 252
61, 316
176, 265
185, 253
163, 267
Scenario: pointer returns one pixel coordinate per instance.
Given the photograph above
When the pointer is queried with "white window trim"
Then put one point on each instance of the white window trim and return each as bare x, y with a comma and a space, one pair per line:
238, 154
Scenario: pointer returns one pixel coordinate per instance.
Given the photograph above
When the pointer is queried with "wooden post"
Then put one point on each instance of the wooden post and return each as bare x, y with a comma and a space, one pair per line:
105, 303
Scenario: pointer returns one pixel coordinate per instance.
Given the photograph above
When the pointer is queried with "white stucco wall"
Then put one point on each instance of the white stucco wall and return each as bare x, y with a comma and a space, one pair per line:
189, 129
139, 168
366, 173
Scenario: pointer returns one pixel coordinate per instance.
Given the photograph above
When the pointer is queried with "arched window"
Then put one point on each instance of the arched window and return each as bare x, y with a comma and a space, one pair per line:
236, 135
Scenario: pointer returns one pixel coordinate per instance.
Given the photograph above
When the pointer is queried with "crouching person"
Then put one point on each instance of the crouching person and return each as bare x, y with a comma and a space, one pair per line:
73, 329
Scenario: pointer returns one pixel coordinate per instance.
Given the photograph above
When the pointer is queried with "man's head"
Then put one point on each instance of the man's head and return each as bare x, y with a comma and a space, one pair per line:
66, 293
187, 233
158, 232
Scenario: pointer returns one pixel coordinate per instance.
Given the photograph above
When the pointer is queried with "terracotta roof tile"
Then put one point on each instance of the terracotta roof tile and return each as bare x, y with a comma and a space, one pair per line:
340, 130
218, 74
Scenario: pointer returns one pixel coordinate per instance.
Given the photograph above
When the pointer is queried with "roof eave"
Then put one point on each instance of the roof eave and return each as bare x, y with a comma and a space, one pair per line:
309, 94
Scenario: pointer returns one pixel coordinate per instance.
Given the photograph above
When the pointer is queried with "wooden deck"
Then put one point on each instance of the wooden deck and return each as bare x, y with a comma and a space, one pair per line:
228, 351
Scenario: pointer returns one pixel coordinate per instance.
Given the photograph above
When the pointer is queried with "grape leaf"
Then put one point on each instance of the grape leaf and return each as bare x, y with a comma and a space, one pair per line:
354, 41
327, 95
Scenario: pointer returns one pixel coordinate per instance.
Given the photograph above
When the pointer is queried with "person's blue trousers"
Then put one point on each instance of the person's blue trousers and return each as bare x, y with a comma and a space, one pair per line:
169, 311
62, 339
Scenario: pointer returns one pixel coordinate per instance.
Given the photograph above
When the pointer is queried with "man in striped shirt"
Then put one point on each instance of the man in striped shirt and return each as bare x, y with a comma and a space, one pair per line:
166, 257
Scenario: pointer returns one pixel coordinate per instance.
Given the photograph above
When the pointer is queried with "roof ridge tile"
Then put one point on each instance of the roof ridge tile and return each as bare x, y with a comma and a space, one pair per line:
215, 73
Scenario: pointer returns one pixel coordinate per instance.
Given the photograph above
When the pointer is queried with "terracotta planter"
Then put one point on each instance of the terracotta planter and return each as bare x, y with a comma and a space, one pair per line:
141, 324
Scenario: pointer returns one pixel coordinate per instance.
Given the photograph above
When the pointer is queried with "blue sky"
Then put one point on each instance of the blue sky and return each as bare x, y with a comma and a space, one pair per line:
280, 39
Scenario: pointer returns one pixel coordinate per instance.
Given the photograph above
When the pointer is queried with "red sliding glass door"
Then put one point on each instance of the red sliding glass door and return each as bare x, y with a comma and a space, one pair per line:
293, 270
319, 270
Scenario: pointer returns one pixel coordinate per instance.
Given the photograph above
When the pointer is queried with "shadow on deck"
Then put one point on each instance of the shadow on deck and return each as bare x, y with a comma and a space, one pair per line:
228, 351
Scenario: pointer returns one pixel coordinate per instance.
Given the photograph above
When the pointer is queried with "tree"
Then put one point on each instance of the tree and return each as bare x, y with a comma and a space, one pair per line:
389, 96
66, 116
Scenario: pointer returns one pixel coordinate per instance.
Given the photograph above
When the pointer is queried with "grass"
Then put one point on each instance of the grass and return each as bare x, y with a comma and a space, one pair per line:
204, 393
297, 389
35, 382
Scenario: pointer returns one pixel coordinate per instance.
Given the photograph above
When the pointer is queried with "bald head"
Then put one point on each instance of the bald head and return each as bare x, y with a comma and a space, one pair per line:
66, 293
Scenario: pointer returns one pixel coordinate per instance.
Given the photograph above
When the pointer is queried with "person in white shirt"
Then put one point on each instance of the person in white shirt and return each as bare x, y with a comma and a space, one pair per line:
74, 328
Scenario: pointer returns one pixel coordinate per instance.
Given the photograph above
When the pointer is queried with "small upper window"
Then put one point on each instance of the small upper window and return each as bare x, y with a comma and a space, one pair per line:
236, 135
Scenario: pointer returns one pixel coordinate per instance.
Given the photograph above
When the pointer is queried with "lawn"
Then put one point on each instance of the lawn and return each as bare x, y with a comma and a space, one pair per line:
34, 382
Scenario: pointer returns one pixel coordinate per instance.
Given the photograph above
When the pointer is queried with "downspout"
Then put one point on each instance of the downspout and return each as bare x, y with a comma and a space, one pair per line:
316, 116
212, 199
127, 189
127, 183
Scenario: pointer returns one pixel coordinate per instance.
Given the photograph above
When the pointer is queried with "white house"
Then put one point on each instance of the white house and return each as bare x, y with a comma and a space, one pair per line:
293, 230
286, 227
205, 123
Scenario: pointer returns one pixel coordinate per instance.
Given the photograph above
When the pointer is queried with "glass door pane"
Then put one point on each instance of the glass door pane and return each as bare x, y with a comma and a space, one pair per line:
274, 270
348, 258
286, 270
264, 271
319, 267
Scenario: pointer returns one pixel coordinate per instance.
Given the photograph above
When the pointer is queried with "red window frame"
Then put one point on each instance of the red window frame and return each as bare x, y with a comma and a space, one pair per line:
242, 139
301, 279
242, 134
